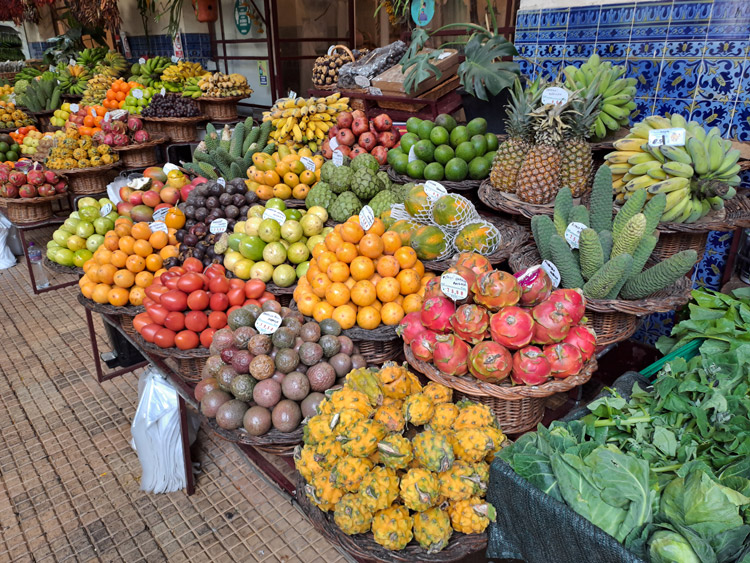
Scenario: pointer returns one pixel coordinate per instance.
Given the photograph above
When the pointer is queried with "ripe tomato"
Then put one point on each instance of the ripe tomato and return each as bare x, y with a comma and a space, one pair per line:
218, 302
164, 338
141, 320
190, 282
254, 288
207, 337
251, 302
171, 280
196, 321
158, 313
198, 300
187, 340
155, 292
149, 332
218, 284
178, 270
215, 270
175, 321
236, 296
236, 283
267, 296
217, 320
193, 265
174, 300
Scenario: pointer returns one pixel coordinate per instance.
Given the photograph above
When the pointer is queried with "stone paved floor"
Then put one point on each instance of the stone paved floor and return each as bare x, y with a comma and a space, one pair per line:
69, 480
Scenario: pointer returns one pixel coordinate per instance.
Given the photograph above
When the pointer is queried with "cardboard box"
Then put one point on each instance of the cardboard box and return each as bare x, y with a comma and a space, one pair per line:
391, 82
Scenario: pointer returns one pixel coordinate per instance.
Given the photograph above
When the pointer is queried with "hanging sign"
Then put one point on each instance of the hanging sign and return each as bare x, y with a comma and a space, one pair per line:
263, 73
177, 46
422, 11
241, 19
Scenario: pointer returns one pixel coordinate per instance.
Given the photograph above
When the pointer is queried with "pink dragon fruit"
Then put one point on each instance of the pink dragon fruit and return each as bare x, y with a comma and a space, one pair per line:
490, 362
572, 301
17, 178
466, 273
410, 327
583, 338
451, 355
119, 127
432, 289
61, 187
496, 290
4, 173
551, 322
437, 312
119, 140
141, 136
474, 262
50, 177
11, 190
564, 359
100, 136
35, 177
471, 323
134, 123
530, 366
535, 285
27, 190
108, 139
423, 345
512, 327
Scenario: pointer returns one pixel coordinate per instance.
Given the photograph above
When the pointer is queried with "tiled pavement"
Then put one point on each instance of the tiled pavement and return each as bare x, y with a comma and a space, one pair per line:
69, 480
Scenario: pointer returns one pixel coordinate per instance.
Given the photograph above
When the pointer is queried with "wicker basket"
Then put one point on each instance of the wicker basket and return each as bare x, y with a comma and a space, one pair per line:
43, 119
29, 210
530, 398
220, 108
335, 48
464, 186
89, 181
189, 362
272, 442
178, 129
142, 155
126, 324
509, 203
376, 352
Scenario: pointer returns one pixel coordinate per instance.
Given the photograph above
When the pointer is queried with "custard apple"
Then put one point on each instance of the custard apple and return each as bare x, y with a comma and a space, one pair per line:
398, 191
341, 179
345, 206
320, 195
365, 184
383, 175
327, 170
365, 160
382, 202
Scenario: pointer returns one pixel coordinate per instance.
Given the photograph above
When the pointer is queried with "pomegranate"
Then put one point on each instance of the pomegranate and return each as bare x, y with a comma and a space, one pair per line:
410, 327
344, 120
552, 322
380, 154
360, 125
358, 113
572, 301
367, 141
474, 262
383, 122
325, 149
470, 323
387, 139
343, 149
333, 131
530, 366
565, 359
583, 338
490, 362
437, 312
345, 137
451, 355
496, 290
535, 285
356, 150
512, 327
423, 345
396, 133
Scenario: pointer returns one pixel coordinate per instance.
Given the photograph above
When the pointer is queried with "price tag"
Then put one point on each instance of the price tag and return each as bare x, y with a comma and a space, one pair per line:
105, 210
555, 95
338, 158
160, 214
412, 156
108, 116
72, 62
168, 167
93, 112
444, 55
333, 143
434, 190
375, 91
137, 93
308, 162
552, 271
275, 214
529, 276
268, 322
674, 137
74, 108
366, 217
158, 226
51, 68
175, 59
331, 49
454, 286
573, 233
362, 81
141, 61
218, 226
163, 92
222, 182
293, 94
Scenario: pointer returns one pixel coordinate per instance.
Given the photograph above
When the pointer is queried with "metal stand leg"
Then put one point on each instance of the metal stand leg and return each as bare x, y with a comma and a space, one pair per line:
185, 435
31, 270
100, 375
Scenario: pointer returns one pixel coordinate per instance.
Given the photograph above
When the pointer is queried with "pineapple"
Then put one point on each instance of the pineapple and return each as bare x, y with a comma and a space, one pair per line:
420, 489
433, 451
349, 472
513, 150
444, 417
395, 451
390, 416
418, 409
392, 527
473, 415
432, 529
439, 394
576, 170
460, 482
365, 381
379, 489
362, 437
351, 516
471, 516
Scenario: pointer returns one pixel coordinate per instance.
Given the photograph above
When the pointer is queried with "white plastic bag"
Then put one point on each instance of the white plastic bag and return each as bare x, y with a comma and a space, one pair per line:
7, 259
156, 434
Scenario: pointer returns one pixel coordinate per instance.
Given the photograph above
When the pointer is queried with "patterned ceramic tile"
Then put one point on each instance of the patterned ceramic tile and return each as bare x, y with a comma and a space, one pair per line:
550, 67
644, 107
728, 48
578, 50
680, 48
586, 17
527, 50
709, 270
655, 32
617, 14
745, 179
730, 11
582, 35
646, 49
667, 105
744, 94
527, 68
617, 32
550, 51
720, 79
653, 327
713, 114
689, 11
528, 20
646, 72
612, 50
527, 36
552, 19
679, 78
741, 121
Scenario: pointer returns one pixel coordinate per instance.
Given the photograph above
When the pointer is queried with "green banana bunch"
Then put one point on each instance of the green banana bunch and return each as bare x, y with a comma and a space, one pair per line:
191, 88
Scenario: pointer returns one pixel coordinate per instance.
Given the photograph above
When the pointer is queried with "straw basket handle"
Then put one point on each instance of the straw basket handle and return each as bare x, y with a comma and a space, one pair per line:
345, 49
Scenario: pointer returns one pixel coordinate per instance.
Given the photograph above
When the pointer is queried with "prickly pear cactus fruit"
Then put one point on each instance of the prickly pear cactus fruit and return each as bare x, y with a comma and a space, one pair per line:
420, 489
348, 472
439, 394
418, 409
392, 527
391, 416
432, 529
395, 451
351, 516
471, 516
444, 417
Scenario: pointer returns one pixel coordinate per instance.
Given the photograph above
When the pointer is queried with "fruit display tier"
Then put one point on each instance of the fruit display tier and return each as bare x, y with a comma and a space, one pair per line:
88, 181
107, 309
462, 186
178, 129
43, 119
273, 442
511, 204
189, 362
615, 320
364, 548
141, 155
513, 238
219, 108
29, 209
60, 269
517, 408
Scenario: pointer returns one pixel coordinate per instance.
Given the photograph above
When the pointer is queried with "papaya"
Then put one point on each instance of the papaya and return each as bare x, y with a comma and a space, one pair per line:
451, 210
404, 228
428, 242
417, 203
477, 237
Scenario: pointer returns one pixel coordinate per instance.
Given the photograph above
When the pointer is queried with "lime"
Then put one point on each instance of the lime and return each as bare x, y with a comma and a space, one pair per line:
252, 247
3, 158
466, 151
492, 142
479, 168
276, 203
477, 126
392, 154
443, 154
447, 121
235, 239
415, 169
15, 147
425, 128
400, 163
456, 170
439, 135
11, 155
425, 150
489, 156
459, 135
412, 125
408, 140
434, 171
479, 143
4, 147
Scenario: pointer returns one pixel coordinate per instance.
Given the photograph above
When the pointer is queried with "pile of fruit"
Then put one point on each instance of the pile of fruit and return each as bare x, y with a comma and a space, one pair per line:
444, 150
284, 375
111, 64
10, 150
11, 117
611, 253
230, 152
325, 71
155, 190
186, 305
139, 98
171, 105
73, 79
127, 262
116, 94
96, 90
41, 95
174, 76
87, 119
149, 73
217, 85
27, 180
273, 249
504, 326
60, 116
355, 134
38, 144
90, 56
121, 129
26, 74
298, 121
82, 233
72, 150
19, 135
391, 457
696, 177
344, 190
284, 174
362, 278
5, 91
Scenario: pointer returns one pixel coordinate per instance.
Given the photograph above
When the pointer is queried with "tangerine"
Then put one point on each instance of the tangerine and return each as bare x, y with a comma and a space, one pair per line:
419, 268
391, 242
320, 284
377, 228
103, 256
388, 289
409, 281
137, 294
337, 294
345, 315
118, 296
406, 257
153, 262
368, 318
325, 260
392, 313
106, 273
124, 278
352, 232
347, 252
87, 289
143, 248
338, 272
144, 279
387, 266
158, 240
101, 293
135, 263
363, 293
362, 268
371, 246
412, 303
168, 251
306, 303
126, 244
118, 259
140, 231
111, 241
322, 310
319, 249
333, 240
123, 229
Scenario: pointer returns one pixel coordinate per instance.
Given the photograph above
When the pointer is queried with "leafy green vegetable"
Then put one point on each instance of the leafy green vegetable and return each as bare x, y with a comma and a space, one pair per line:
668, 547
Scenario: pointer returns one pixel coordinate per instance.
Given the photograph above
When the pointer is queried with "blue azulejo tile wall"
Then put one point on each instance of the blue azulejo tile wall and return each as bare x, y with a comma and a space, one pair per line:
197, 46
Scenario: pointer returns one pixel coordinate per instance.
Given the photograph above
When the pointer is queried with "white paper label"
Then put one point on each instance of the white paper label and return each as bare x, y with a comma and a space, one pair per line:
573, 233
308, 162
105, 210
412, 156
275, 214
674, 137
160, 214
366, 217
218, 226
362, 81
175, 59
552, 271
93, 112
268, 322
375, 91
529, 276
338, 158
434, 190
163, 92
292, 94
331, 49
74, 108
555, 95
108, 116
222, 182
168, 167
72, 62
454, 286
158, 226
137, 93
444, 55
141, 61
333, 143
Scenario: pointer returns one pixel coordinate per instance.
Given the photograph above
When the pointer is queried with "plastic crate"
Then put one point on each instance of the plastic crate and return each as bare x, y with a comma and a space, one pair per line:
688, 351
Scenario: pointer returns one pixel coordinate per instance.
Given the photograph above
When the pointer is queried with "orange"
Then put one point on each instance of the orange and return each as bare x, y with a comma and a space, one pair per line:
312, 269
118, 259
137, 294
347, 252
412, 303
320, 284
388, 266
338, 272
363, 293
291, 179
144, 279
391, 314
118, 296
409, 281
175, 218
103, 256
322, 310
168, 251
377, 304
158, 240
368, 318
126, 244
352, 232
306, 303
388, 289
106, 273
345, 315
142, 248
419, 267
325, 260
87, 289
406, 257
124, 278
91, 274
153, 262
377, 228
123, 225
371, 246
101, 293
111, 241
319, 249
140, 231
333, 240
391, 242
337, 294
135, 263
173, 237
362, 268
88, 264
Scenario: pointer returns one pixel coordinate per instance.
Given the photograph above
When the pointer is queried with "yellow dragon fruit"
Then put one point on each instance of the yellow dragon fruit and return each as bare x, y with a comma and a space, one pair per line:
348, 472
346, 398
471, 516
379, 488
420, 489
351, 516
327, 452
391, 416
392, 527
344, 419
418, 409
318, 428
322, 492
365, 381
444, 417
473, 415
414, 385
395, 380
395, 451
474, 444
460, 482
361, 438
432, 529
438, 393
433, 451
304, 462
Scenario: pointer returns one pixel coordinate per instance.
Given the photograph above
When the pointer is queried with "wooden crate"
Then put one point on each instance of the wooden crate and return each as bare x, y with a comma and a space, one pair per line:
434, 94
391, 82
